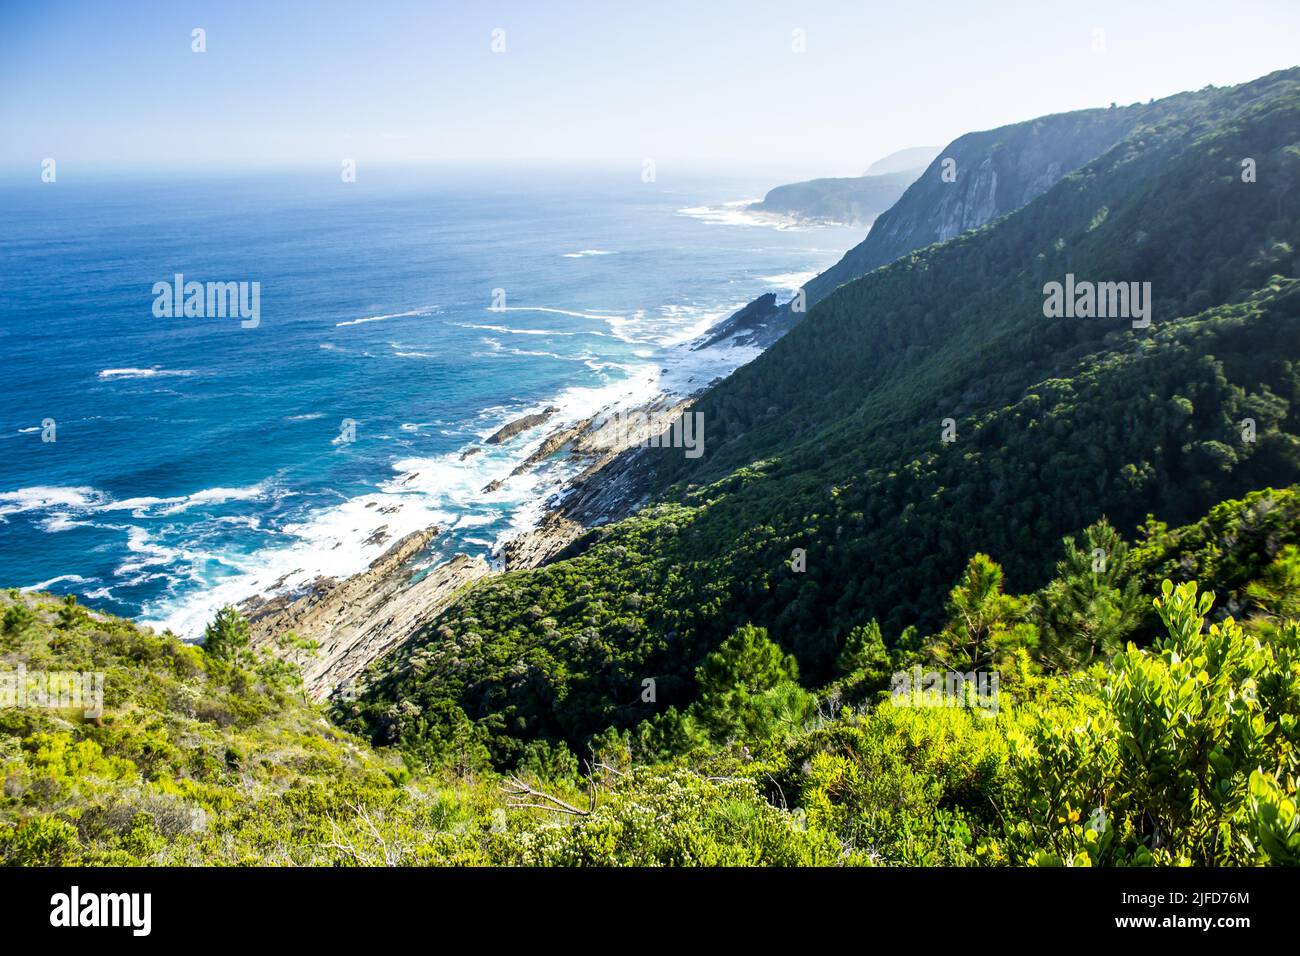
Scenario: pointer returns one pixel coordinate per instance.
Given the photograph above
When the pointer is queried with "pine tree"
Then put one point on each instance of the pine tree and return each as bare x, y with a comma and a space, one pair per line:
227, 637
1093, 602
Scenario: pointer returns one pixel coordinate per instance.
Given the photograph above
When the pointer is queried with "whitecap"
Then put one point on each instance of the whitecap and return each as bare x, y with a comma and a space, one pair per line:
70, 578
152, 372
42, 497
598, 316
738, 213
789, 280
427, 310
512, 331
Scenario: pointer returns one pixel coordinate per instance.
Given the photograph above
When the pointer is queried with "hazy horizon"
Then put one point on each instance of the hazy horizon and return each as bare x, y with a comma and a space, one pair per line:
818, 90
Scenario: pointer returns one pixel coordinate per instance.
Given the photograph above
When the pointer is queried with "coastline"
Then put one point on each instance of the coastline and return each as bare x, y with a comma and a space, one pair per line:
358, 618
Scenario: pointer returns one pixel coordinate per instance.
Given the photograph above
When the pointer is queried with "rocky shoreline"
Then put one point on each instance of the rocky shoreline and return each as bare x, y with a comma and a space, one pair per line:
356, 620
610, 486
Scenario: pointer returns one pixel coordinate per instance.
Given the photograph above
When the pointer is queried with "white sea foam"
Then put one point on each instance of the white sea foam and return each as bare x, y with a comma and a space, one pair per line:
153, 372
70, 578
343, 539
506, 330
333, 542
673, 323
59, 522
598, 316
158, 507
474, 521
738, 213
499, 349
586, 253
63, 503
148, 552
44, 497
789, 280
441, 490
427, 310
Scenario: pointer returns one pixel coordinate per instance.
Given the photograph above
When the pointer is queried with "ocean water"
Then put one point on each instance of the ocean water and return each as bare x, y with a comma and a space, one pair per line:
196, 462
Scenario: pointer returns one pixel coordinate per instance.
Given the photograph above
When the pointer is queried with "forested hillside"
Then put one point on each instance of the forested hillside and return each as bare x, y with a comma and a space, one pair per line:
976, 179
832, 442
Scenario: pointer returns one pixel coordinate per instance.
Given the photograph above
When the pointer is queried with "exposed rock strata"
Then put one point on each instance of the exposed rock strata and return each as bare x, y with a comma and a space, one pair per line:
607, 489
362, 617
370, 614
511, 429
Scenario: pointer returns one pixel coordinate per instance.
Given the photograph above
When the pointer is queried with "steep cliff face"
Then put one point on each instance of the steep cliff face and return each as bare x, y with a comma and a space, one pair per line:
968, 312
974, 180
980, 177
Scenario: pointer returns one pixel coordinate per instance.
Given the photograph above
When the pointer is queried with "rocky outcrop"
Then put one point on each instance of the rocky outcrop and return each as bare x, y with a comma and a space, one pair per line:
510, 430
359, 619
553, 443
746, 324
611, 485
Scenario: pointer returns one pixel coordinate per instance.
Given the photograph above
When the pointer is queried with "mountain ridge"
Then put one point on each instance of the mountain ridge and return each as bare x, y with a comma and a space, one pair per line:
993, 173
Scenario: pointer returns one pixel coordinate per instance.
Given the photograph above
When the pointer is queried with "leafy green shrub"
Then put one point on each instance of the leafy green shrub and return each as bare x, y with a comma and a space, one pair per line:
678, 818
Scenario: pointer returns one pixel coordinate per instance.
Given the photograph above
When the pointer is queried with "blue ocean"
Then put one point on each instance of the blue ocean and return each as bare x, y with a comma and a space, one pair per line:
163, 466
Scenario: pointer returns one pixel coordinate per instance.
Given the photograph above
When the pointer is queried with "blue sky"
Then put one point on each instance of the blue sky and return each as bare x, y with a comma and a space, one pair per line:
701, 84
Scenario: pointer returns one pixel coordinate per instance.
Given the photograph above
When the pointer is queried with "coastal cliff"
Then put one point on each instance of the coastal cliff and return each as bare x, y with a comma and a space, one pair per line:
851, 201
976, 179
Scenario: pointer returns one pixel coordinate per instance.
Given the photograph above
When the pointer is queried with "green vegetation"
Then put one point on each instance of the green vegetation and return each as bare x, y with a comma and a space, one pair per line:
854, 200
199, 758
676, 689
830, 443
1182, 748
